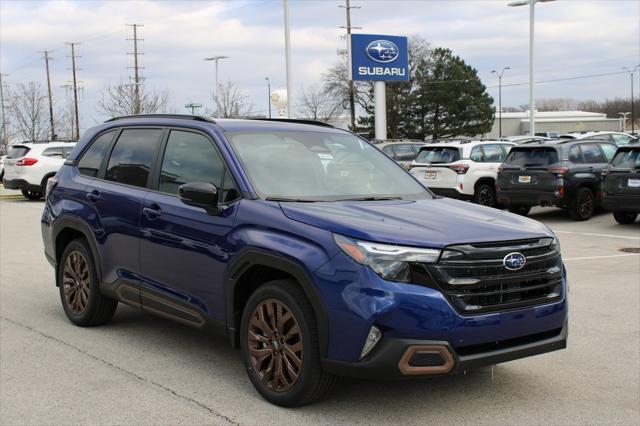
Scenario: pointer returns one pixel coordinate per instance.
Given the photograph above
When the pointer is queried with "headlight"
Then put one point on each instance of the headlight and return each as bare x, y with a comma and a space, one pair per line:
389, 261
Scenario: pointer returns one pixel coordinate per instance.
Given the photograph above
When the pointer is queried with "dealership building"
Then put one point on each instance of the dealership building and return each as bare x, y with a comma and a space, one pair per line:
517, 123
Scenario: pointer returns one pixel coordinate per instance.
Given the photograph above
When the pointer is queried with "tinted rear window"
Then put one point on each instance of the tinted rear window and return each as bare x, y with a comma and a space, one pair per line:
131, 158
18, 151
627, 159
524, 157
435, 155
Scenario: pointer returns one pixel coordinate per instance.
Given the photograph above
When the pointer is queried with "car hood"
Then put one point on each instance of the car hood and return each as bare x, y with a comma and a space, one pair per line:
423, 223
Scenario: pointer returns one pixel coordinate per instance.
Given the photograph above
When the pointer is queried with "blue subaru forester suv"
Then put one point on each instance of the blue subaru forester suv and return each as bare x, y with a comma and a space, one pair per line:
313, 252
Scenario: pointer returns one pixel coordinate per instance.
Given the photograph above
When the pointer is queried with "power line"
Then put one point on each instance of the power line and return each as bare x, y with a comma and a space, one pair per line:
136, 68
577, 77
47, 58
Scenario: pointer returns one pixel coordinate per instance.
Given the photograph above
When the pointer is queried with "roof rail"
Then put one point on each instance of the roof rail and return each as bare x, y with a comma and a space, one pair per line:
176, 116
294, 120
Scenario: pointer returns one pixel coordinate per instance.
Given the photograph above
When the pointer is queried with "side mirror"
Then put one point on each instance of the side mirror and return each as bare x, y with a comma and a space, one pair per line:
200, 194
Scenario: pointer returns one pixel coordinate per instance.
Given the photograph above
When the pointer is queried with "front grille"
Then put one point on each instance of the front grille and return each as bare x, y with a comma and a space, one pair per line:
474, 279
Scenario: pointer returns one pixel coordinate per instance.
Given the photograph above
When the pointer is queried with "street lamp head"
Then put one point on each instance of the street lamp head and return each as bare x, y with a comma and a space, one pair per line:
215, 58
518, 3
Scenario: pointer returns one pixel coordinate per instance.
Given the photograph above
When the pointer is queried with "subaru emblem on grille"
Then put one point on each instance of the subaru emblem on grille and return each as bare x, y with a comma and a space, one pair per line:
514, 261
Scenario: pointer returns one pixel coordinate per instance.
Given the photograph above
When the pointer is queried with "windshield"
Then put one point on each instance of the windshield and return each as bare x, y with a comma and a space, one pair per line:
627, 159
531, 157
320, 166
435, 155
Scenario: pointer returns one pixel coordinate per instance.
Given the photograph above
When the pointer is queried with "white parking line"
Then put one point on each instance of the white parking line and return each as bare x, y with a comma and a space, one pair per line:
601, 257
597, 235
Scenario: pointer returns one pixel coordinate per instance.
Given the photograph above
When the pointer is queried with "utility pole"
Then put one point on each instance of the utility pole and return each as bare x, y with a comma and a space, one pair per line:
47, 58
268, 95
352, 104
4, 119
287, 54
633, 115
136, 68
75, 90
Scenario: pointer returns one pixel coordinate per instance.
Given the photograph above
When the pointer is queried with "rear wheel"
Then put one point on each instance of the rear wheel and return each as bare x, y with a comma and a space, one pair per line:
79, 287
625, 218
521, 210
583, 206
32, 195
485, 195
280, 346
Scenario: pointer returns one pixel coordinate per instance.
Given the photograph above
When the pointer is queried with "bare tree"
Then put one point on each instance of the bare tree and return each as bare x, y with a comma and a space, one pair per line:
232, 102
29, 112
316, 104
120, 100
336, 84
556, 104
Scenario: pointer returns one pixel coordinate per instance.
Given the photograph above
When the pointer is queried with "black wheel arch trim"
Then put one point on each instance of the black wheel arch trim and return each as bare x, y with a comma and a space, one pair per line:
71, 222
252, 257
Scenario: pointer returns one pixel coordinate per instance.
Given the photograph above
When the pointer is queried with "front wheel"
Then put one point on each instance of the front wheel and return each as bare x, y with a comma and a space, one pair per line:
280, 348
31, 195
625, 218
485, 195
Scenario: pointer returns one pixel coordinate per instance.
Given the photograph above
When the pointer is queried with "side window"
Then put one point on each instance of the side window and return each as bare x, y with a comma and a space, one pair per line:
404, 152
493, 154
609, 150
189, 157
505, 150
89, 164
591, 153
389, 151
476, 154
132, 157
53, 152
574, 154
620, 139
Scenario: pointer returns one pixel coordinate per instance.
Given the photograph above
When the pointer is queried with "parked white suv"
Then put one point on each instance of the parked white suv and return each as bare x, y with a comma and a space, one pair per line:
464, 170
28, 166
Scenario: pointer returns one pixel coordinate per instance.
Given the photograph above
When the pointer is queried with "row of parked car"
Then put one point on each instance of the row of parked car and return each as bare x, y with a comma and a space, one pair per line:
578, 172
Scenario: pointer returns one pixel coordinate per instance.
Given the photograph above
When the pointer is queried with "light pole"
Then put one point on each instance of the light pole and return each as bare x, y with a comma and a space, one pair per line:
500, 74
631, 73
287, 54
268, 95
216, 59
532, 15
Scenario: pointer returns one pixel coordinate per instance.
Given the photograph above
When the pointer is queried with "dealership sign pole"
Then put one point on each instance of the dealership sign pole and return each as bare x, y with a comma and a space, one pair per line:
379, 58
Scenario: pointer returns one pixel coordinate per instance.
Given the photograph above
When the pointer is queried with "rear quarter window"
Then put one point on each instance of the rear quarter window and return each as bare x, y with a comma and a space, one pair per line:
523, 157
90, 162
436, 155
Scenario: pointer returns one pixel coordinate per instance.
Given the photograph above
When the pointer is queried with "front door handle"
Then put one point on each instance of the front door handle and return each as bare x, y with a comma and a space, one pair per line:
93, 196
152, 212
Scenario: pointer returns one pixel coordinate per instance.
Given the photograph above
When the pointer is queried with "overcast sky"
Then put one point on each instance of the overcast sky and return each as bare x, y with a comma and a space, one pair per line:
574, 38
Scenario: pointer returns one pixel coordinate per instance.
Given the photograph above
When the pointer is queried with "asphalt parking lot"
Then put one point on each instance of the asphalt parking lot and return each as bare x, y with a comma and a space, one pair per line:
140, 369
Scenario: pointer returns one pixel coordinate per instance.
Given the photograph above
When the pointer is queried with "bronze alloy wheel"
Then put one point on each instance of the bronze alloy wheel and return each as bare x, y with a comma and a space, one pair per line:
75, 282
275, 345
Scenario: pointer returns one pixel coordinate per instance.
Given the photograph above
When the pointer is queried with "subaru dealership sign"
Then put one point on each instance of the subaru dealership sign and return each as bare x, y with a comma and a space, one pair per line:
379, 58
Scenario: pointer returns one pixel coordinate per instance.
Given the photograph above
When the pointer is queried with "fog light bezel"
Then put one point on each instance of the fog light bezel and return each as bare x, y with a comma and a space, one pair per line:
373, 338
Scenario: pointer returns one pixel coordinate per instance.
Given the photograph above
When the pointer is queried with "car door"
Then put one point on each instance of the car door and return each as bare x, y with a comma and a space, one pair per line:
184, 249
115, 198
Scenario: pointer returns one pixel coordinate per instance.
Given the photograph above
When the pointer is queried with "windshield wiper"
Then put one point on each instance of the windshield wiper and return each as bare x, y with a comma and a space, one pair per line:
369, 199
292, 200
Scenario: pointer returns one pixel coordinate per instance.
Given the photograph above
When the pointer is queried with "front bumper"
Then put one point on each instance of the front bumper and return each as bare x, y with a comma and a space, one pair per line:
397, 358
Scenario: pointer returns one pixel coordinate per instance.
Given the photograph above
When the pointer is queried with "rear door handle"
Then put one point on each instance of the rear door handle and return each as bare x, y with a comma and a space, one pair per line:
93, 196
151, 212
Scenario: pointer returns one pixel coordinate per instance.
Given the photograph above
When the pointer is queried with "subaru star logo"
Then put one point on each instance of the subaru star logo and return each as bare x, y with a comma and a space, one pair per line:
514, 261
382, 51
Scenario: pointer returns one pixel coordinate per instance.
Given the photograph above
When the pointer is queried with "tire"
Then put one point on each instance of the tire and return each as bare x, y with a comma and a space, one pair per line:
92, 308
485, 195
583, 205
311, 383
43, 184
521, 210
625, 218
31, 195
